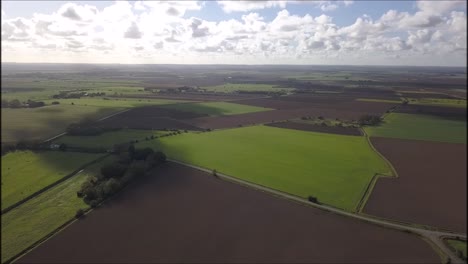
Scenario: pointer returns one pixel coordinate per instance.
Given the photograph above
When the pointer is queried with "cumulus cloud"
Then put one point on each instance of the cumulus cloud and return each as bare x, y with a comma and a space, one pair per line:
245, 6
150, 30
133, 32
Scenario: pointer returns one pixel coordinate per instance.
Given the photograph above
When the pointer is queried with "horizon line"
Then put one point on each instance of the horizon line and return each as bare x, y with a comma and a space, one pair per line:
222, 64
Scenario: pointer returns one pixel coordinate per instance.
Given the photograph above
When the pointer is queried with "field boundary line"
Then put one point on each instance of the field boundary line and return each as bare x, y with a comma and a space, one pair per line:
62, 227
370, 187
388, 222
431, 235
46, 188
64, 133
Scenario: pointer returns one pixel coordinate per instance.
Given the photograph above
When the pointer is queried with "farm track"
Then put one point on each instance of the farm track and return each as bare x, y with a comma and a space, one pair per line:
434, 236
66, 177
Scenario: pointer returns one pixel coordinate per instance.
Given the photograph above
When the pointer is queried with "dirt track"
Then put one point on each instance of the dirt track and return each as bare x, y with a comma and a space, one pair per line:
184, 215
317, 128
431, 188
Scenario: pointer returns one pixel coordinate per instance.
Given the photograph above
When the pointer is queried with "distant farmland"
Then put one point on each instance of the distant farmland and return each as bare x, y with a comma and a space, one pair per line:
216, 108
297, 162
41, 123
420, 127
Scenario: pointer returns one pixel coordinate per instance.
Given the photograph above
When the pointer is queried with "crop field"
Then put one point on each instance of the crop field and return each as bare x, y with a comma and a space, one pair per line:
318, 128
43, 122
420, 127
108, 139
439, 102
232, 87
431, 186
296, 162
216, 108
41, 215
113, 102
25, 172
153, 222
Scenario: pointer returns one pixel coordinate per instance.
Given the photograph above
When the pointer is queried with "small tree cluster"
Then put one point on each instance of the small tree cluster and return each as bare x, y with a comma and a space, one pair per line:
114, 176
370, 120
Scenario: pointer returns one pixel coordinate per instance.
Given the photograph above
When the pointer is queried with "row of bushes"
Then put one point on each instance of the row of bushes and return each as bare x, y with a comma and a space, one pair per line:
15, 103
113, 177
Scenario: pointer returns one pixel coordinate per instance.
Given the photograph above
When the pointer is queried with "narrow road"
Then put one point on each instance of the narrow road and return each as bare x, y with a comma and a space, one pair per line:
432, 235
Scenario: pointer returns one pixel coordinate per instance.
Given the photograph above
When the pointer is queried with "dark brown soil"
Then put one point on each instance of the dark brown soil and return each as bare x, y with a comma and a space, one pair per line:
182, 215
447, 112
431, 188
271, 116
318, 128
349, 111
150, 117
196, 96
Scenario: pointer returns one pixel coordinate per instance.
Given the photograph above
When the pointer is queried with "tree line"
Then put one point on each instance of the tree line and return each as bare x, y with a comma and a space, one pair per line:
134, 163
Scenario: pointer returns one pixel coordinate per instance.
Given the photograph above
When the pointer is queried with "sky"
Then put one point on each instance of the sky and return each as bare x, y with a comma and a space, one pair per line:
419, 33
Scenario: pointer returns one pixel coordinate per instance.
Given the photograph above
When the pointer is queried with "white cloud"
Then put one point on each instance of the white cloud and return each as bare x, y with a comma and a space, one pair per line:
245, 6
133, 32
148, 31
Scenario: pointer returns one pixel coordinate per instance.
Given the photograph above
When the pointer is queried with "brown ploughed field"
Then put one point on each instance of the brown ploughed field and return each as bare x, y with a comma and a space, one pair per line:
184, 215
443, 111
196, 96
318, 128
431, 188
270, 116
351, 110
151, 117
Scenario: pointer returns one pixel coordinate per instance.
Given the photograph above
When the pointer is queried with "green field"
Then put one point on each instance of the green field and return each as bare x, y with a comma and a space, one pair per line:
334, 168
217, 108
458, 245
44, 122
25, 172
420, 127
108, 139
36, 218
231, 87
439, 102
113, 102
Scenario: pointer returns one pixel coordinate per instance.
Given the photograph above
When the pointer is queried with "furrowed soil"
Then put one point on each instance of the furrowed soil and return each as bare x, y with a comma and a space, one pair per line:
183, 215
431, 188
151, 118
442, 111
318, 128
344, 111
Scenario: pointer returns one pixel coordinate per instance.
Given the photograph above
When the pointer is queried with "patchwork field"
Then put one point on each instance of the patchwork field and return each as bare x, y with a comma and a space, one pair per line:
216, 108
44, 122
318, 128
231, 121
41, 215
223, 222
108, 139
296, 162
420, 127
431, 186
233, 87
25, 172
113, 102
